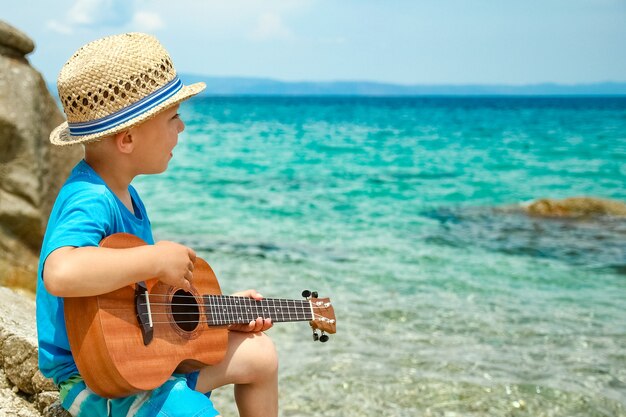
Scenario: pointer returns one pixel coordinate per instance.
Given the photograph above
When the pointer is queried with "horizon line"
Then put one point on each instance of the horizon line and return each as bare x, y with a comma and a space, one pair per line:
223, 86
402, 84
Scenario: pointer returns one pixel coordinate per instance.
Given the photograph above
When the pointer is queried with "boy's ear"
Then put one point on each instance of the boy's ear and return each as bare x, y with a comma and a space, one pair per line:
124, 141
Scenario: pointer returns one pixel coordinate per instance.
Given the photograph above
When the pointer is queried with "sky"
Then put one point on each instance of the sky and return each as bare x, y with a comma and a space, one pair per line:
429, 42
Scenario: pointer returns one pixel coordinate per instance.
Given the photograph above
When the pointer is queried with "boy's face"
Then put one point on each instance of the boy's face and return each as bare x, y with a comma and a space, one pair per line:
155, 140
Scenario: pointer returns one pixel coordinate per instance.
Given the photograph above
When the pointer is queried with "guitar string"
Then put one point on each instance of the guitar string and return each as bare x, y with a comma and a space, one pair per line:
231, 301
245, 300
304, 311
230, 305
287, 307
233, 312
277, 310
276, 314
223, 314
222, 296
226, 323
292, 309
230, 297
218, 314
237, 300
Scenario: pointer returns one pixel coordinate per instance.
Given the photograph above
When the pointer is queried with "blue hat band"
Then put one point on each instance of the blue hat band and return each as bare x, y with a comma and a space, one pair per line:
128, 113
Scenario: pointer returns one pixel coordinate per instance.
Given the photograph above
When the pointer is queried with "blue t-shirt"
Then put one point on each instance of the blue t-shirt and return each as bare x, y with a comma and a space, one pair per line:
85, 212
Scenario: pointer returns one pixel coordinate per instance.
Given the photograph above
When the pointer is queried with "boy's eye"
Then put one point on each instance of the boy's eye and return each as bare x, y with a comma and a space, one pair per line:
176, 116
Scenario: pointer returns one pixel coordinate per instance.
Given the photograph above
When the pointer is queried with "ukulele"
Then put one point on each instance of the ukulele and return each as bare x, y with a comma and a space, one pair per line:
134, 338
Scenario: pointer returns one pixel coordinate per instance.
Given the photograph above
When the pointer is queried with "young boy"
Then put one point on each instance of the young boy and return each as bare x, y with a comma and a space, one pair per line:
121, 96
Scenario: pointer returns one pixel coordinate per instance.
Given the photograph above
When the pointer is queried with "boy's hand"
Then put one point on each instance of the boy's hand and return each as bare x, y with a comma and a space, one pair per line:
258, 325
174, 264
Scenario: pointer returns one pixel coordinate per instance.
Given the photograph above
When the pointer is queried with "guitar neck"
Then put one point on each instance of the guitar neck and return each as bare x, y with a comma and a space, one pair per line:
227, 309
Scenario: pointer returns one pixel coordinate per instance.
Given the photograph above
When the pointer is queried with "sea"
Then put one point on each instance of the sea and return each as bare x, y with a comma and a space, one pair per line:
408, 213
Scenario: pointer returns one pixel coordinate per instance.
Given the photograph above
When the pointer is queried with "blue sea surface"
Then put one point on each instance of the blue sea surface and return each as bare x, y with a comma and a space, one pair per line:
407, 213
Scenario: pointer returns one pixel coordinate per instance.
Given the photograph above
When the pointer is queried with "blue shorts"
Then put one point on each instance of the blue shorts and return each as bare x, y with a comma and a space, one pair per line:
175, 398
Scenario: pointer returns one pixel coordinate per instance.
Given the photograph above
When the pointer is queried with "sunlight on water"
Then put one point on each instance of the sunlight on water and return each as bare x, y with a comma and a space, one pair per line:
449, 302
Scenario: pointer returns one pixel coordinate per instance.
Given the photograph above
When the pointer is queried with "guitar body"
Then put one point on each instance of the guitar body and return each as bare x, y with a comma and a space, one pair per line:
108, 344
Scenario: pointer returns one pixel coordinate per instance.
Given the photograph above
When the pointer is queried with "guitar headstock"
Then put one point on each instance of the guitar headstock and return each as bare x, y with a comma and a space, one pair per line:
323, 316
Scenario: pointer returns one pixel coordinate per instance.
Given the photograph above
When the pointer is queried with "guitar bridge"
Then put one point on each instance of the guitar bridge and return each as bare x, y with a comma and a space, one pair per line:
144, 315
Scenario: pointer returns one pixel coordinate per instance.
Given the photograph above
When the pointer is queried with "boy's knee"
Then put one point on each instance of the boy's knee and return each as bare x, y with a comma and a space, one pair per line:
261, 356
267, 355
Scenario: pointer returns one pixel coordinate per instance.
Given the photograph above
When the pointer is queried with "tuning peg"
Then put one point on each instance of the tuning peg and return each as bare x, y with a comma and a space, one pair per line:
315, 336
306, 293
324, 338
314, 294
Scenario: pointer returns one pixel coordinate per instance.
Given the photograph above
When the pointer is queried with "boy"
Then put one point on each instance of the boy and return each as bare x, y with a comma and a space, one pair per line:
121, 96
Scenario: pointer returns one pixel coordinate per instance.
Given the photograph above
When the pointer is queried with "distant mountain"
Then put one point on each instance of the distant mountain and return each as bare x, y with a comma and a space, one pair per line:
235, 86
265, 86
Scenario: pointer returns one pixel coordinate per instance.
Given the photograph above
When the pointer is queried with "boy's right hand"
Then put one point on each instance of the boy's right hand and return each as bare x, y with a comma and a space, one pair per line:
174, 264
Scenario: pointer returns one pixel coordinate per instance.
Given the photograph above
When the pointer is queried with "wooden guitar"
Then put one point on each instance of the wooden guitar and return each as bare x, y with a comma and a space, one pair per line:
134, 338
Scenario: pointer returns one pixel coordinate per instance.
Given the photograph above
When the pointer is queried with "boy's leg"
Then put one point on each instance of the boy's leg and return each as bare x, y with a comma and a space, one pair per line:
251, 364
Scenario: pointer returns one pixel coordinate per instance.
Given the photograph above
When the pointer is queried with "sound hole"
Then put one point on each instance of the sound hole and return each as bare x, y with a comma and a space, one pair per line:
185, 310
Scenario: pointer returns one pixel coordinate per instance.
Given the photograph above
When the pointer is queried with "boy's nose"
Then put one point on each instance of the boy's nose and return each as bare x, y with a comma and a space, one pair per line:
181, 127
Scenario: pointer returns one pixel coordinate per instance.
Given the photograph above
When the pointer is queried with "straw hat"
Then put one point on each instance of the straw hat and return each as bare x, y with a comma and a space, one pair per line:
114, 83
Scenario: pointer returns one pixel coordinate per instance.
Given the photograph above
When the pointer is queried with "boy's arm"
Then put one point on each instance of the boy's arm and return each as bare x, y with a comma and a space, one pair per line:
86, 271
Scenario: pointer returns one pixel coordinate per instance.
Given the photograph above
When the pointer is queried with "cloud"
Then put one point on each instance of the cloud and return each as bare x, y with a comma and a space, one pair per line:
55, 26
147, 21
94, 13
269, 26
101, 12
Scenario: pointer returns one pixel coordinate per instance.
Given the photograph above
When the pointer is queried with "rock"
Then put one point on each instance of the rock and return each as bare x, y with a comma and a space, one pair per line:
20, 362
20, 378
31, 173
4, 382
18, 339
31, 169
55, 410
41, 383
576, 207
13, 405
13, 42
45, 399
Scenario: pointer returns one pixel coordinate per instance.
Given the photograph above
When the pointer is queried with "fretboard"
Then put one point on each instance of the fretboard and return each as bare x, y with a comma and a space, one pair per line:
226, 309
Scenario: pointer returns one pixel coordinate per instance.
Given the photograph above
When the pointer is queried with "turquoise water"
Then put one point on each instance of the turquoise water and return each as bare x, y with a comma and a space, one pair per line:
449, 301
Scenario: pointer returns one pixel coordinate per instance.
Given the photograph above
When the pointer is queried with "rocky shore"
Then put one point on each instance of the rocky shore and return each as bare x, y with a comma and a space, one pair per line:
31, 170
24, 392
31, 173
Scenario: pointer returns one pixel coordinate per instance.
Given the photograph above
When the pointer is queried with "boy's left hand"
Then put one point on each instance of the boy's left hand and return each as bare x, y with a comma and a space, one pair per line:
260, 324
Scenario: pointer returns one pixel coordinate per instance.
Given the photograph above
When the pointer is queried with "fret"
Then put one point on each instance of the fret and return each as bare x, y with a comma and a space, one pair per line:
271, 308
281, 312
248, 314
211, 318
223, 310
236, 311
231, 313
301, 310
257, 309
218, 317
264, 309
